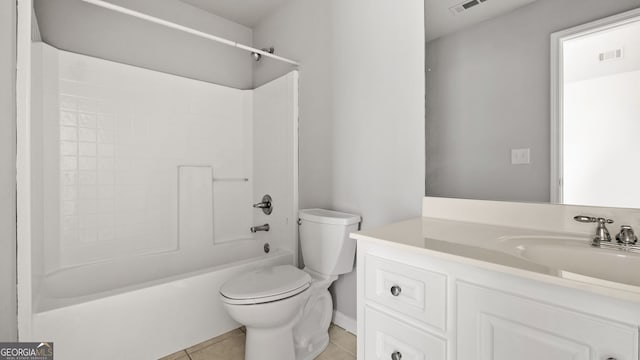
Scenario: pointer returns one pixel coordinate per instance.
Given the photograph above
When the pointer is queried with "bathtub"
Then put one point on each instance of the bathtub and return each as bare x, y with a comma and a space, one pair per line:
143, 307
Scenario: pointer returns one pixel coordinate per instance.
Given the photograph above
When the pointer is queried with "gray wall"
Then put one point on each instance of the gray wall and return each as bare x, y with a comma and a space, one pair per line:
8, 321
361, 107
86, 29
488, 92
311, 45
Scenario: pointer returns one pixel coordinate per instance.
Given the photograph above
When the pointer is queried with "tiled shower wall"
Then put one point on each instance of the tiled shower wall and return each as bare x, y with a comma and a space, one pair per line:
112, 141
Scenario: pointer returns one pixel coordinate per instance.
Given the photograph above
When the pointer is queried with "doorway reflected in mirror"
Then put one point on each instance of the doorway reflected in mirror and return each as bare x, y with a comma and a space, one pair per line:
596, 113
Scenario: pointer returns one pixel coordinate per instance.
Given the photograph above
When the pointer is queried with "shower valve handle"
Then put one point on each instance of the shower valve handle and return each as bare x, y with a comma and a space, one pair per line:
262, 205
265, 205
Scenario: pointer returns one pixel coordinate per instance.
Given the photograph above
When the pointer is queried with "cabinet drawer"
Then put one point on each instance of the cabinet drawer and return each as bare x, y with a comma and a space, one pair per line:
385, 336
417, 293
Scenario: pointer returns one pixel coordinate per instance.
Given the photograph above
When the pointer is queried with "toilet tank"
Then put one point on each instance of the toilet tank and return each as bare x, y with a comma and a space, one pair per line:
324, 239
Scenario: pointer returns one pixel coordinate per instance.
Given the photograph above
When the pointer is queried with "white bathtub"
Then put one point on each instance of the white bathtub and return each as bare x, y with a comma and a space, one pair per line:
143, 307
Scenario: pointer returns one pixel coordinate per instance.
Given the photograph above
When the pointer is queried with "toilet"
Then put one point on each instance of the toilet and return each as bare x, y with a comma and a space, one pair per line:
287, 311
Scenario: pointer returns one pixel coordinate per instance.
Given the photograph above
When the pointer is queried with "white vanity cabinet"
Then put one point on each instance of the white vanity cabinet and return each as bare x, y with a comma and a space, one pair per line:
395, 292
496, 325
414, 305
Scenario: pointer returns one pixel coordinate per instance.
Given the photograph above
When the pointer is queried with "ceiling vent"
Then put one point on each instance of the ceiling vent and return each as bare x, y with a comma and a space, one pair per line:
467, 5
611, 55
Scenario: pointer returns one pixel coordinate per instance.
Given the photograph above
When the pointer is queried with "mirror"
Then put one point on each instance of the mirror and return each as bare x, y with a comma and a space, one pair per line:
489, 102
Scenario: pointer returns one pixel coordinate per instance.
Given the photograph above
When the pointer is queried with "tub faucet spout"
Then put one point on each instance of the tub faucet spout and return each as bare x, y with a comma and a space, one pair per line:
264, 227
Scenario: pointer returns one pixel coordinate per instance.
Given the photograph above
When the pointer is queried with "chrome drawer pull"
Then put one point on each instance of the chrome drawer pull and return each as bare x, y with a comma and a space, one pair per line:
395, 291
396, 355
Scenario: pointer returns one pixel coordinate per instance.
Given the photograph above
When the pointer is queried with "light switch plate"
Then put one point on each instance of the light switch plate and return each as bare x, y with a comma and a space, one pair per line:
520, 156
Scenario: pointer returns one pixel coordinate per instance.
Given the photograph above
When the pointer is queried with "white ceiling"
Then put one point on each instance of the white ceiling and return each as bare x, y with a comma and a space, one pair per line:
244, 12
440, 20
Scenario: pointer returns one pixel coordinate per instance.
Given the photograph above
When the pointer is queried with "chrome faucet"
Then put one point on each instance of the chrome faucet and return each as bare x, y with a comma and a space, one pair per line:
626, 236
264, 227
602, 233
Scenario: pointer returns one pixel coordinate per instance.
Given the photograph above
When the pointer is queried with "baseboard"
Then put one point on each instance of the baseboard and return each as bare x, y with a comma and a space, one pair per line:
345, 322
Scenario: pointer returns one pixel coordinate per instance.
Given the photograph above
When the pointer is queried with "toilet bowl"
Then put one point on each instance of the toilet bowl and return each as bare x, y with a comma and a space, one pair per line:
268, 302
287, 311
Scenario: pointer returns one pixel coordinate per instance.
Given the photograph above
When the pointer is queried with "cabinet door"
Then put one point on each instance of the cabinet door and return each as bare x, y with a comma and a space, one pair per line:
493, 325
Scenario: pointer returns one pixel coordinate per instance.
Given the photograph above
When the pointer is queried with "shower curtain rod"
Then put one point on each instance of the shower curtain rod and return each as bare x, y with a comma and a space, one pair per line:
139, 15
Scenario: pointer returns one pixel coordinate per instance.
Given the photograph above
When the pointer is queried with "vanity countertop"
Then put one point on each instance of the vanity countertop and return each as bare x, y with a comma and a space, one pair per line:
499, 248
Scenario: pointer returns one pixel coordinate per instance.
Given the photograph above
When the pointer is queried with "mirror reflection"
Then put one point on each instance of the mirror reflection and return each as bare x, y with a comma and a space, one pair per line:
499, 126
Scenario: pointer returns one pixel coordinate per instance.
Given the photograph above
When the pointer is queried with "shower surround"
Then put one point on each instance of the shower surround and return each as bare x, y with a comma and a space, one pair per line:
142, 186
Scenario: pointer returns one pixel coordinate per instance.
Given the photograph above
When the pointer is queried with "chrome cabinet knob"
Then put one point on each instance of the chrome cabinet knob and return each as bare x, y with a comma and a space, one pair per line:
395, 291
396, 355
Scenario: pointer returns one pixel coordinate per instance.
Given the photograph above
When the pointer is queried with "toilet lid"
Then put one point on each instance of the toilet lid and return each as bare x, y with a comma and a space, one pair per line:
264, 285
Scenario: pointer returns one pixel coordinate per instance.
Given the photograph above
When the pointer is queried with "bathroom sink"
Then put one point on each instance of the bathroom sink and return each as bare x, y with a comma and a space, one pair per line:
576, 256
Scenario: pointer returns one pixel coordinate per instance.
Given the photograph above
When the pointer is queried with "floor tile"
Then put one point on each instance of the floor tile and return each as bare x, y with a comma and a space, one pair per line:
343, 338
202, 345
180, 355
231, 348
334, 352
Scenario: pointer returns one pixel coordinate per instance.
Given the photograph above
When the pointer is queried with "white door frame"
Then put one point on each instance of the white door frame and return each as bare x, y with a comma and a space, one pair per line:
557, 89
23, 168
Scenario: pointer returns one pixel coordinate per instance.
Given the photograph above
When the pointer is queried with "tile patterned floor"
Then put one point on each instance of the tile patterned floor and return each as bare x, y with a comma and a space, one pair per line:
230, 346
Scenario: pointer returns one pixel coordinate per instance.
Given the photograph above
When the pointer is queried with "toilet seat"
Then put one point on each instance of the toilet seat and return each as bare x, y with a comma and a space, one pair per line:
265, 285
